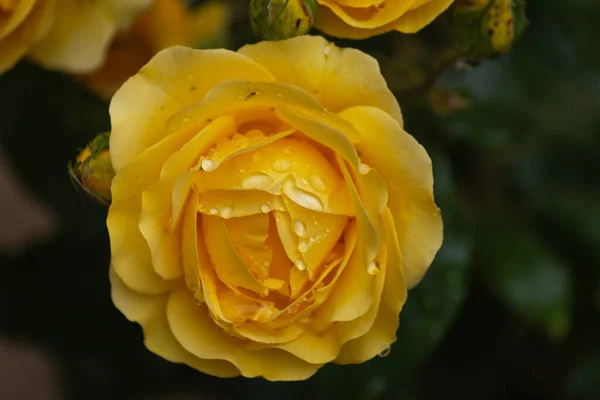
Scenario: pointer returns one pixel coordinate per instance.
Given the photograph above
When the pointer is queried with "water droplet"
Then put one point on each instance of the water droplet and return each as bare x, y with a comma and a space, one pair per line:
301, 197
226, 212
386, 352
207, 165
258, 181
300, 265
328, 230
242, 171
256, 156
281, 165
279, 94
186, 119
317, 183
214, 211
373, 268
327, 50
304, 181
303, 246
265, 208
315, 222
363, 169
299, 227
287, 150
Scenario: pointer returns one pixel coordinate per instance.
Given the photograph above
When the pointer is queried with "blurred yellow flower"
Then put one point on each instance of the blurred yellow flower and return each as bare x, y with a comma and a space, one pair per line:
359, 19
268, 210
165, 23
68, 35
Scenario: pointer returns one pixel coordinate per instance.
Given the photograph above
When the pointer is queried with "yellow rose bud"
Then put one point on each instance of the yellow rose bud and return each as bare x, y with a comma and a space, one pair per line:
359, 19
269, 212
93, 170
68, 35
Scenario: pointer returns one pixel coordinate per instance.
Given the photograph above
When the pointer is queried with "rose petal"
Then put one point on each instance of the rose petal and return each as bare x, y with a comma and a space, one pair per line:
174, 79
78, 42
339, 78
406, 168
150, 312
198, 334
383, 332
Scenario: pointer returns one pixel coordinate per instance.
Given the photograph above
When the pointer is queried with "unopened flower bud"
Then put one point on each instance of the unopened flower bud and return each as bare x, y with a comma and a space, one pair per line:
487, 28
282, 19
93, 171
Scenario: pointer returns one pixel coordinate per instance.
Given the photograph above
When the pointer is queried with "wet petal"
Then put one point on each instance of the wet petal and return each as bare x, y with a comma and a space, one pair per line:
383, 332
230, 269
406, 168
174, 79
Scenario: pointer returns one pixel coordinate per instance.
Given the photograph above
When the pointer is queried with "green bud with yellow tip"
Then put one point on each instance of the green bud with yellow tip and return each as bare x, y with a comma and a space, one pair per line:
487, 28
282, 19
92, 171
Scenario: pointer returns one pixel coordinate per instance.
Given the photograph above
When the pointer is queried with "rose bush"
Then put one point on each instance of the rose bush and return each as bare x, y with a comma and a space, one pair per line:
68, 35
359, 19
268, 211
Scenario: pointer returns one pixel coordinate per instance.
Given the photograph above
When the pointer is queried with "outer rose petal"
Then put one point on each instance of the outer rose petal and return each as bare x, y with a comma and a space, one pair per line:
415, 20
19, 38
411, 21
406, 168
131, 257
197, 332
338, 78
80, 38
365, 17
383, 331
150, 313
174, 79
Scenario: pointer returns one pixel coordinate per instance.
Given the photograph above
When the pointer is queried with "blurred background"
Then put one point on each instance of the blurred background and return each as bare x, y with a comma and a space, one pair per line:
510, 308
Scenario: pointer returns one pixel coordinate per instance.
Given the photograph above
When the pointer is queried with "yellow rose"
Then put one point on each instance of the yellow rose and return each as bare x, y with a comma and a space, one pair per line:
165, 23
359, 19
69, 35
268, 209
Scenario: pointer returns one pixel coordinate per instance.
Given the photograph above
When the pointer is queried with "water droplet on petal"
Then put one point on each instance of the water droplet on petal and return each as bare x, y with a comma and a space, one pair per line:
363, 169
287, 150
317, 183
327, 50
207, 165
281, 165
300, 265
304, 181
315, 222
301, 197
299, 227
265, 208
258, 181
386, 352
226, 212
303, 246
373, 268
214, 211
